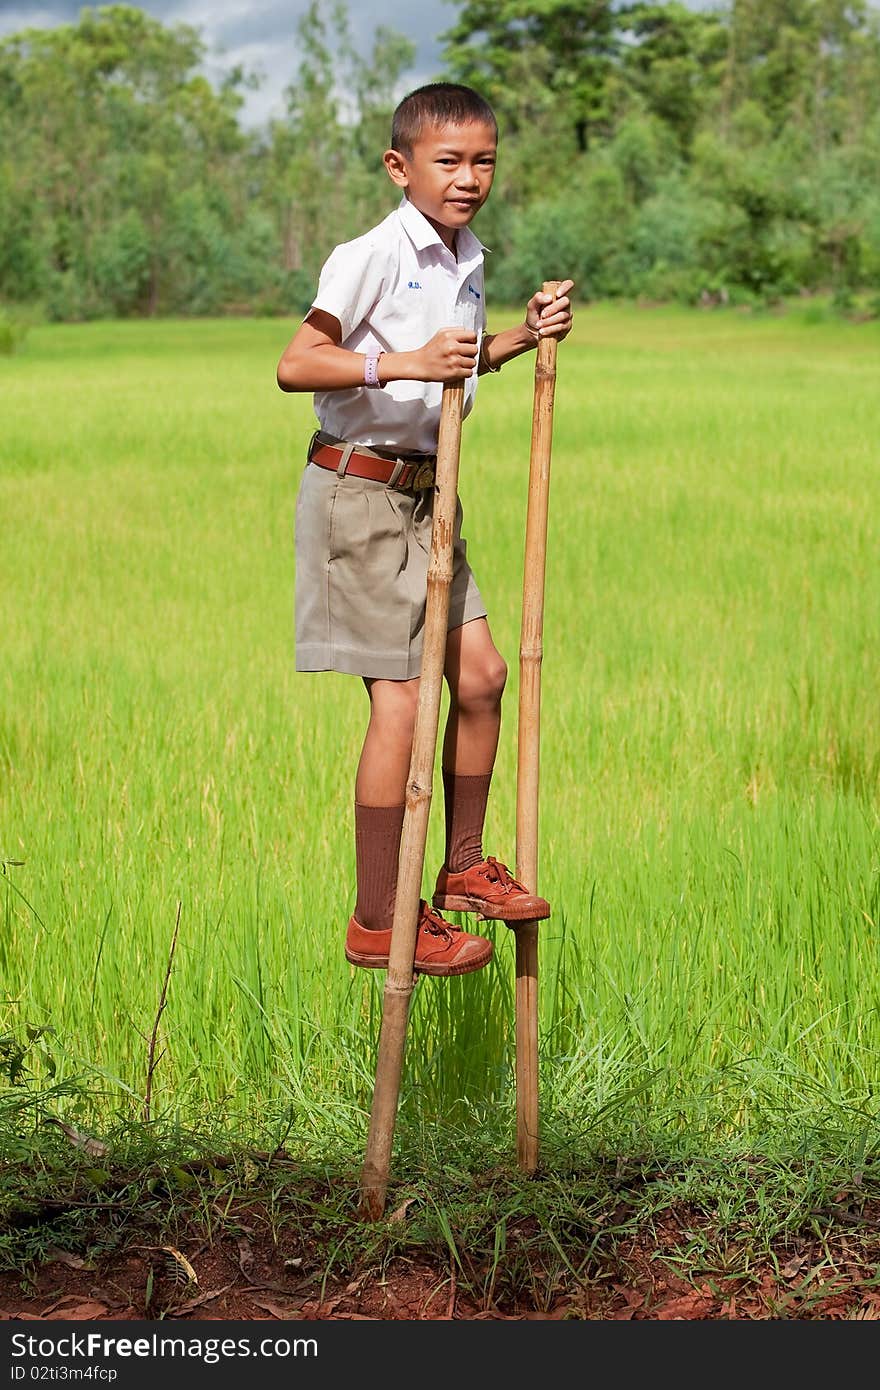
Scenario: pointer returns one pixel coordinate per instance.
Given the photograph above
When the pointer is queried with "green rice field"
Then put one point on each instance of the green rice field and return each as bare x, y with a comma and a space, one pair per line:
710, 780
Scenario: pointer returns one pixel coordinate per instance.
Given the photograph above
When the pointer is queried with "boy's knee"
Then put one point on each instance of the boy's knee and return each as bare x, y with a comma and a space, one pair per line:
496, 676
409, 699
482, 687
398, 705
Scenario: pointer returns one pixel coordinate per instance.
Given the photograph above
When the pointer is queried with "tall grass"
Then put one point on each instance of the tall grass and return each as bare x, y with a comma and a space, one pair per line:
710, 741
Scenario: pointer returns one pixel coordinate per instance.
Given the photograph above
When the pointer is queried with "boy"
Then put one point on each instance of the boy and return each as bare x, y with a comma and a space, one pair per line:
399, 311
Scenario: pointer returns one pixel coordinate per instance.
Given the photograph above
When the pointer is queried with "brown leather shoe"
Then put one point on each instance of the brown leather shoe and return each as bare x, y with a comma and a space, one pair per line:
441, 947
490, 889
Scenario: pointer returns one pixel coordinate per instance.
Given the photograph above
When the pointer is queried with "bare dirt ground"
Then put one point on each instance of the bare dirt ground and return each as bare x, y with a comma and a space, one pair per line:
247, 1275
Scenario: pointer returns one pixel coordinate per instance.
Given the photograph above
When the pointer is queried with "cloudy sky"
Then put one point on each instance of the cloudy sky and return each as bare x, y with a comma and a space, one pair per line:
261, 34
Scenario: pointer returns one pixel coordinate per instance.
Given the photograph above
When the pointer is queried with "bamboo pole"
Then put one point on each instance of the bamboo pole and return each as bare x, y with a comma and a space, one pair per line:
400, 979
531, 654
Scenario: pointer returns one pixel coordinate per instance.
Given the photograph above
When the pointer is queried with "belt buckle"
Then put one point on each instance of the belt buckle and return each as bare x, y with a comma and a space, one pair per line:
424, 476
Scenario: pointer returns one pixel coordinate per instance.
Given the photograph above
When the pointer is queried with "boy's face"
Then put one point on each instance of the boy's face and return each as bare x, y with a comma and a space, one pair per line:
449, 174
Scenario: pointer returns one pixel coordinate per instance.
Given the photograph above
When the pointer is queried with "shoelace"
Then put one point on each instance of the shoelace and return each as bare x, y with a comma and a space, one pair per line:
496, 872
432, 922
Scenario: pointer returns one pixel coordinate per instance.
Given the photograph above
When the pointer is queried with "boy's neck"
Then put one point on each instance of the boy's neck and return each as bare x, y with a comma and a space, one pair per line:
448, 235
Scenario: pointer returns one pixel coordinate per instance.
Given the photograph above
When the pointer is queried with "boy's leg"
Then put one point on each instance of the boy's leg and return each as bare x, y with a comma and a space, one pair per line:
476, 674
380, 792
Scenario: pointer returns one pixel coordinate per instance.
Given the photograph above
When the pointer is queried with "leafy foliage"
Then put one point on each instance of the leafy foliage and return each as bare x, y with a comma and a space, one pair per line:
646, 149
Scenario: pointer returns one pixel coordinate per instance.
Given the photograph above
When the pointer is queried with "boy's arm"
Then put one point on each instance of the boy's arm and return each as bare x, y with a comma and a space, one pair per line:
546, 317
314, 360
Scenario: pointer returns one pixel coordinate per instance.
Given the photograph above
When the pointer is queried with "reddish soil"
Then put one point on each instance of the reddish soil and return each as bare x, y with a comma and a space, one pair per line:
247, 1276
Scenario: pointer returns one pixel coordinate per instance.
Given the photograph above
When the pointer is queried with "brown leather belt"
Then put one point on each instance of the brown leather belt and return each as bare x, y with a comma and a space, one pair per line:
399, 471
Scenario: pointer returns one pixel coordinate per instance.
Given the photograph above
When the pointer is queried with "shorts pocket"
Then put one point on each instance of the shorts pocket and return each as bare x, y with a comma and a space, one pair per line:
367, 533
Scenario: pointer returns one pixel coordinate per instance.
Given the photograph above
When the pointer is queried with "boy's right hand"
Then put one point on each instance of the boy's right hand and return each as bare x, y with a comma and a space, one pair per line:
450, 355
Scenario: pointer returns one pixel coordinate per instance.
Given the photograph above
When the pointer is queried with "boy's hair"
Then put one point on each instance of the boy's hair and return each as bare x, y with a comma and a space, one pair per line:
437, 104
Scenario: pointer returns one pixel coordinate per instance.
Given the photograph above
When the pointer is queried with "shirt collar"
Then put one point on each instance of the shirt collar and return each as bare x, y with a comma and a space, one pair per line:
422, 235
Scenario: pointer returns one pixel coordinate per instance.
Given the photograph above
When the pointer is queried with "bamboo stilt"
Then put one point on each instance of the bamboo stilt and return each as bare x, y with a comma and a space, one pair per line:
531, 654
399, 980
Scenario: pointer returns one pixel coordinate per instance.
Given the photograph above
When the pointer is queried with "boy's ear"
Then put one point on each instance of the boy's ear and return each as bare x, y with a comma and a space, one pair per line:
395, 165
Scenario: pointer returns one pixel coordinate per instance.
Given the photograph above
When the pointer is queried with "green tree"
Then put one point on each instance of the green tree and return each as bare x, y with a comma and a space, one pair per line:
524, 56
670, 60
103, 120
326, 177
647, 148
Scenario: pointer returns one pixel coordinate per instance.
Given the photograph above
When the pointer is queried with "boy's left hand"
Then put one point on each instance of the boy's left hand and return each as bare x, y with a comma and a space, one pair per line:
550, 317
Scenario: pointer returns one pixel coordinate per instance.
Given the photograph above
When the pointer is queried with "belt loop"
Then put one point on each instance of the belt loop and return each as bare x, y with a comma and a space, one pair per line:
396, 472
343, 460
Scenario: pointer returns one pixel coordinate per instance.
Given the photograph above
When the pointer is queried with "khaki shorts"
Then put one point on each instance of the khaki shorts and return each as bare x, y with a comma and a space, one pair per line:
362, 551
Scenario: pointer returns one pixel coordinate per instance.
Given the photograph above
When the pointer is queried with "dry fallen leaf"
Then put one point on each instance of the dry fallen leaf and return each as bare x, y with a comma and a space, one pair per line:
64, 1257
278, 1310
794, 1266
632, 1297
93, 1147
245, 1256
400, 1212
192, 1303
60, 1303
179, 1267
689, 1306
869, 1309
317, 1310
82, 1312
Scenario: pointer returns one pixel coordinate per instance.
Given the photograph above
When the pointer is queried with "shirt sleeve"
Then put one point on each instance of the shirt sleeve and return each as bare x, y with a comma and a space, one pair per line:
351, 283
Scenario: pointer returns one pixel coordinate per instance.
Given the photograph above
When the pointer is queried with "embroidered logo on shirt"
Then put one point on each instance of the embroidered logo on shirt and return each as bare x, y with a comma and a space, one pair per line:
413, 285
471, 290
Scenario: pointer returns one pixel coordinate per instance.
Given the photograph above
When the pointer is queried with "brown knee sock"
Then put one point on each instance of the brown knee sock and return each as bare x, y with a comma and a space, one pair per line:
465, 801
377, 847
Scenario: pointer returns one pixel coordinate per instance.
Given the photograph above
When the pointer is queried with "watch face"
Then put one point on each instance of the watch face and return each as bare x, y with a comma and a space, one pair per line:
424, 476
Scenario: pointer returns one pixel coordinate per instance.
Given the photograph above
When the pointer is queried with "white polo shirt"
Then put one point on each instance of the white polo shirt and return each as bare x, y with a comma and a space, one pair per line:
392, 289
